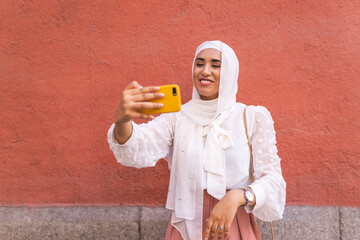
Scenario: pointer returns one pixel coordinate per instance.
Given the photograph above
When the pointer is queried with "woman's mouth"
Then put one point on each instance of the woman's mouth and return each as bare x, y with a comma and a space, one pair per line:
205, 82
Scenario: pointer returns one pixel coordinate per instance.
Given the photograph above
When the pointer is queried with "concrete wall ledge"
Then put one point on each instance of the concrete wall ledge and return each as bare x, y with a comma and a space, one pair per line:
130, 223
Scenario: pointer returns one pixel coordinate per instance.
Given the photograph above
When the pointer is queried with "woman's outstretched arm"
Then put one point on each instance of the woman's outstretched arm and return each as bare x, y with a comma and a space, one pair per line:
140, 145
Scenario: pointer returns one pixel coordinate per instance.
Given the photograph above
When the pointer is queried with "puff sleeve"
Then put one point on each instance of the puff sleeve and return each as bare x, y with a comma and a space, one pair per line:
269, 185
148, 143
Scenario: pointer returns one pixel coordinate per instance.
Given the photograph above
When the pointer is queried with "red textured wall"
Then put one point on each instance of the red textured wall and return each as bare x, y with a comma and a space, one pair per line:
63, 65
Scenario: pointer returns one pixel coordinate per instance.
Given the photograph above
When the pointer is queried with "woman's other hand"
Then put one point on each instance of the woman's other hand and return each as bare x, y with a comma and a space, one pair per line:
223, 214
134, 98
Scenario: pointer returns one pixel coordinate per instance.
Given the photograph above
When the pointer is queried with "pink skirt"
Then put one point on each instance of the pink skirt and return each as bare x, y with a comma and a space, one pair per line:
243, 226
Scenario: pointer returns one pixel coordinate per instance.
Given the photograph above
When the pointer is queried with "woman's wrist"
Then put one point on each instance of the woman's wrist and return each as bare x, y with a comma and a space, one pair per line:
239, 196
123, 132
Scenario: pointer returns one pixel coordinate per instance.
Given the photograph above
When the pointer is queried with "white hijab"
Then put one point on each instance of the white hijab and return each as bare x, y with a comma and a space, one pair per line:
228, 76
211, 114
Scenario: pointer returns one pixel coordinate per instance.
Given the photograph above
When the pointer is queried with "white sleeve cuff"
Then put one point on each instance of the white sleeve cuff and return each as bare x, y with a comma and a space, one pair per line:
112, 140
260, 195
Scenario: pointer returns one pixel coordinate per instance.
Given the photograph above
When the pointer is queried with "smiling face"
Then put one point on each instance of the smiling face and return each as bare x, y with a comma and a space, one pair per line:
206, 74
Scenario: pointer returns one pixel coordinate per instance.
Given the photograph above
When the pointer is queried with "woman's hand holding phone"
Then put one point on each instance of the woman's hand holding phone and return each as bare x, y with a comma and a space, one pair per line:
134, 99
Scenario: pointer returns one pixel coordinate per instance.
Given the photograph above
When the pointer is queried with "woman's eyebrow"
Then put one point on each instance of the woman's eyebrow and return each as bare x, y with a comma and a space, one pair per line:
215, 60
212, 60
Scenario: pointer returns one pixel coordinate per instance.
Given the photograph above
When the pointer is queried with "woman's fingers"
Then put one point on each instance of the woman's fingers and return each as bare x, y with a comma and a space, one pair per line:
142, 90
208, 229
132, 85
221, 230
146, 105
214, 229
133, 110
147, 96
134, 88
227, 230
134, 99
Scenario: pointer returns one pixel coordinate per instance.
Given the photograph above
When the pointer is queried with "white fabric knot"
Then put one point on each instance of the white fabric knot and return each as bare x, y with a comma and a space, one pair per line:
217, 141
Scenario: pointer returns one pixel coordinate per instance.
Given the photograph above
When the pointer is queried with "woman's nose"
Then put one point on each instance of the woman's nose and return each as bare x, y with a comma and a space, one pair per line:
206, 71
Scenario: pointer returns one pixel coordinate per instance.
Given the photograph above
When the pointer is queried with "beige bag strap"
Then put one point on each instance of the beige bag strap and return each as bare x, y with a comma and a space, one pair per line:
252, 172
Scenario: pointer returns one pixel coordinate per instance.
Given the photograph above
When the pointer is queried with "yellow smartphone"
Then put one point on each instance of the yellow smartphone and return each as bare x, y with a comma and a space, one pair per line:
171, 100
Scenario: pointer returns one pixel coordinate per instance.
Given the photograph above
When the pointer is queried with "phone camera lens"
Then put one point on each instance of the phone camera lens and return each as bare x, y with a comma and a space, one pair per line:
174, 91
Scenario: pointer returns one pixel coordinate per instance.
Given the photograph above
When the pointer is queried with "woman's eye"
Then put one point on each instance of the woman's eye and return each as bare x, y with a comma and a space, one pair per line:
216, 66
199, 64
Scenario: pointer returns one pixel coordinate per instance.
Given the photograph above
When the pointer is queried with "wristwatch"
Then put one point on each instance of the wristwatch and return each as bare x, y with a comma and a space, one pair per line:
249, 196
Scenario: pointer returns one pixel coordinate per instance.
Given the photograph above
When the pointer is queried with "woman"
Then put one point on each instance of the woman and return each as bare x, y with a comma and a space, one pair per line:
210, 192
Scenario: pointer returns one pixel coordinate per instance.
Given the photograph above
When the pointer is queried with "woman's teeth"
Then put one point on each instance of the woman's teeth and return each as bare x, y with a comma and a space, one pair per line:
205, 81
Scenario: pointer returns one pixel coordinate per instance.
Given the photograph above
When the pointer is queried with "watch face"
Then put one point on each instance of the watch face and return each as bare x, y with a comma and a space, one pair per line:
249, 196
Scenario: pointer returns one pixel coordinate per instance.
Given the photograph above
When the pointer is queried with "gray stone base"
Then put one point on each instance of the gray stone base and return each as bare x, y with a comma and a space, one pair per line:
129, 223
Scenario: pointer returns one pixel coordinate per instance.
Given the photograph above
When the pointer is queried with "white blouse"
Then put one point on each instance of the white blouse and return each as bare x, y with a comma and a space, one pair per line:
152, 141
